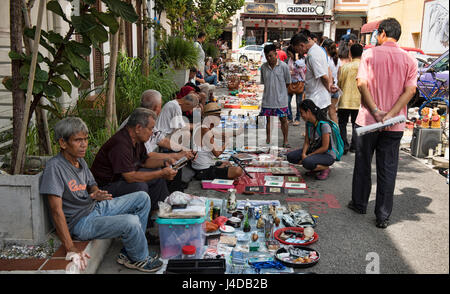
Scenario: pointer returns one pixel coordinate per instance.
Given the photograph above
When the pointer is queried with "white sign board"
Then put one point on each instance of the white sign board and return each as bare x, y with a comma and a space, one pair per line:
300, 9
435, 27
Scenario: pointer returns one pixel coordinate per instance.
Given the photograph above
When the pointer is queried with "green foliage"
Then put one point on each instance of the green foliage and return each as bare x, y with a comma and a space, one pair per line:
93, 117
67, 63
211, 50
188, 17
131, 83
179, 52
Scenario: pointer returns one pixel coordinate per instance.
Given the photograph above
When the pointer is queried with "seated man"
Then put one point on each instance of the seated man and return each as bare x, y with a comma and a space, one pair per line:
81, 210
151, 99
122, 164
204, 164
171, 122
196, 79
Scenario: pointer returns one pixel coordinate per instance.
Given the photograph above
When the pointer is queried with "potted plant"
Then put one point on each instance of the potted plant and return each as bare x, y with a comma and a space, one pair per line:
181, 55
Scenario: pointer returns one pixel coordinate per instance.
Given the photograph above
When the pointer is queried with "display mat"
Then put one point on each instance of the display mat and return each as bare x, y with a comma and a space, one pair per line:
246, 185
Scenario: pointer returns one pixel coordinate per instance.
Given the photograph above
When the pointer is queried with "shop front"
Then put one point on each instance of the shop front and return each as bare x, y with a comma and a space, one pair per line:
267, 22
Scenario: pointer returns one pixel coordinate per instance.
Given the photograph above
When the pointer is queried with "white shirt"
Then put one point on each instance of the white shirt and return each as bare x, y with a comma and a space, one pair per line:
170, 119
205, 158
316, 67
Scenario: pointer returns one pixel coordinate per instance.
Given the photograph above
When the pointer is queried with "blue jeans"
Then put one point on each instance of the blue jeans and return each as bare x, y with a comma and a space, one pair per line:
298, 99
310, 162
211, 79
124, 217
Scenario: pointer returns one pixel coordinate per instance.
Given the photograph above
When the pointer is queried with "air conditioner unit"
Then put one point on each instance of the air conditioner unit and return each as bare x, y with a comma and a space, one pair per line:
423, 140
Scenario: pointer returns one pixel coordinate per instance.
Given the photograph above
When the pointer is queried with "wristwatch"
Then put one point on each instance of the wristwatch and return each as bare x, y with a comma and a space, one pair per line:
375, 110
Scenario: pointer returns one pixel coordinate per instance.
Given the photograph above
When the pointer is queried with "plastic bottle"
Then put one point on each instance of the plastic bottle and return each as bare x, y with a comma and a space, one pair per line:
211, 209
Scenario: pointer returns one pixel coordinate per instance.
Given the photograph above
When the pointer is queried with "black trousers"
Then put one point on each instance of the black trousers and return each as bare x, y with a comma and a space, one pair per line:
386, 144
343, 115
156, 189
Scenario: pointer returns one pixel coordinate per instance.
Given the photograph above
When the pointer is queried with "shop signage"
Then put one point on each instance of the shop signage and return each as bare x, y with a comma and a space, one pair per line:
305, 9
261, 8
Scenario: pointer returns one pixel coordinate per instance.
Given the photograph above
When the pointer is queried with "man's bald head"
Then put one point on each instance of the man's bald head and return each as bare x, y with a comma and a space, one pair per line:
151, 99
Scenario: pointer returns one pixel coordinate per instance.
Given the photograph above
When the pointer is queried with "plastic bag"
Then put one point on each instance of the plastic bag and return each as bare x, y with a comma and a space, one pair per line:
164, 209
220, 220
178, 198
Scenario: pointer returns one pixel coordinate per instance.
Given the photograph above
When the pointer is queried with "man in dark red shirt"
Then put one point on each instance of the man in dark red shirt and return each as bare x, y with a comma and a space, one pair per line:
122, 165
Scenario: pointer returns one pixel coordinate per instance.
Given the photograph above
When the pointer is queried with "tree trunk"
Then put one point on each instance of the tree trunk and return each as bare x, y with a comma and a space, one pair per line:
45, 146
21, 150
111, 117
18, 95
145, 59
122, 40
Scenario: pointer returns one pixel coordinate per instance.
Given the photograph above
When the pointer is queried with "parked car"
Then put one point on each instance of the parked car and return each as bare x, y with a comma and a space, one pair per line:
435, 72
250, 52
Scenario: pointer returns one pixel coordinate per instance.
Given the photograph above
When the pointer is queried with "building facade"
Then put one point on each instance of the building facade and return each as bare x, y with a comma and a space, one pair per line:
424, 22
348, 16
266, 21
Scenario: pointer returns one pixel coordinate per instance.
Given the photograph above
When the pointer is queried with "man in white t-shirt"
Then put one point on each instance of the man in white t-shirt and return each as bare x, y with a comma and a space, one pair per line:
171, 123
318, 83
151, 99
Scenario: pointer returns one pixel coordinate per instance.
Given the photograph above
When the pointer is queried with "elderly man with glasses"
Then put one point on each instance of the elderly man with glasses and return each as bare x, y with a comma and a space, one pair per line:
82, 211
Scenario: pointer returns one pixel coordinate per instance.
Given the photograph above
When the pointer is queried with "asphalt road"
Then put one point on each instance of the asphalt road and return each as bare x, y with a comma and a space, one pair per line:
416, 242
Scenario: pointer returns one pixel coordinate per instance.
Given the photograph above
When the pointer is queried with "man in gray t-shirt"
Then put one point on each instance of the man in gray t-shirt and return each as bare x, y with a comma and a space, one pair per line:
275, 77
81, 210
62, 179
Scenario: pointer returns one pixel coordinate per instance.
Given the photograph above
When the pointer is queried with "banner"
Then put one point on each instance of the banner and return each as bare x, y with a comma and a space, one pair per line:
261, 8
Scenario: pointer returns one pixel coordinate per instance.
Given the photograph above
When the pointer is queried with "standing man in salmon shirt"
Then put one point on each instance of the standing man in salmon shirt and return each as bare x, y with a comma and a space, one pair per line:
387, 78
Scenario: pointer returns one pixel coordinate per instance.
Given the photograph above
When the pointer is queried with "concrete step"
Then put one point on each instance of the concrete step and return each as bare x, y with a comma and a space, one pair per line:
57, 264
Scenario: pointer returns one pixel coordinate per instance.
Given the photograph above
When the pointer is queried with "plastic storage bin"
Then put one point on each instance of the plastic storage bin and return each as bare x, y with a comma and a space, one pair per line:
176, 233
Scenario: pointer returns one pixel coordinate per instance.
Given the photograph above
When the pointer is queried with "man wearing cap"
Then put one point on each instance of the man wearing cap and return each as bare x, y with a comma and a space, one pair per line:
204, 164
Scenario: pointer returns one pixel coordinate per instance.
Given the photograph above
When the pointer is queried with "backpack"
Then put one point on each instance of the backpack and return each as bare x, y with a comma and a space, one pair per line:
338, 144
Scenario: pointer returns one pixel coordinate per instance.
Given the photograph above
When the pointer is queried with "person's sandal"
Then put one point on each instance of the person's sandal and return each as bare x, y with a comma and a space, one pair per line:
323, 175
286, 145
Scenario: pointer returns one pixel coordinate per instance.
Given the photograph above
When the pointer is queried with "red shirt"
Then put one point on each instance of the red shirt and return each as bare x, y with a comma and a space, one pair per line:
388, 70
281, 55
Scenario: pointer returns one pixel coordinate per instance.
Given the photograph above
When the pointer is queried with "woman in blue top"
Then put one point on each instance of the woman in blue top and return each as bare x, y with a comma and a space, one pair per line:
316, 155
